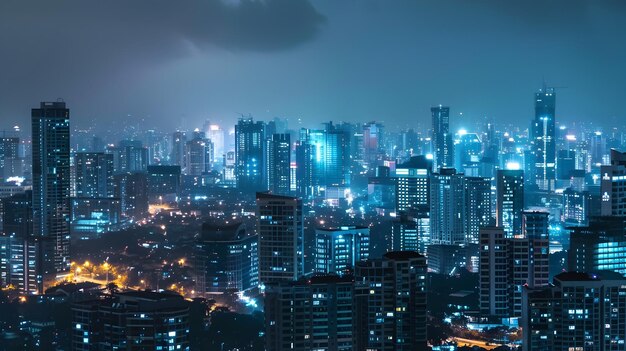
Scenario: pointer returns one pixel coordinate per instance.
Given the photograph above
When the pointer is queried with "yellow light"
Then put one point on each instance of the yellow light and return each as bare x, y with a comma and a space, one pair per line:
78, 269
86, 264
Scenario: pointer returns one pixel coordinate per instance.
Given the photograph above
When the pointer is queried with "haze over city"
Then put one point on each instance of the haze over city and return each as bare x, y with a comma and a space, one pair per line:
176, 64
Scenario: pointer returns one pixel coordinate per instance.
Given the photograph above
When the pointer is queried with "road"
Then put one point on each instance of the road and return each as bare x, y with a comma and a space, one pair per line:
470, 342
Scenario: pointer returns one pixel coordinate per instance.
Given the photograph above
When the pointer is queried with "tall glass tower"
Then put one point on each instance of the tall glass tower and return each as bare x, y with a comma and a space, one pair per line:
249, 146
51, 189
443, 148
542, 135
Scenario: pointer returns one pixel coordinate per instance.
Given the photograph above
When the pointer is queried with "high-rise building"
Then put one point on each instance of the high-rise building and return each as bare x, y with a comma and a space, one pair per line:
177, 154
278, 164
198, 155
443, 147
19, 250
613, 185
390, 302
94, 174
510, 200
129, 156
249, 162
468, 153
132, 190
372, 142
477, 207
493, 274
51, 189
447, 207
225, 259
599, 246
311, 314
509, 264
410, 233
543, 139
132, 320
528, 258
337, 250
576, 207
581, 311
281, 237
163, 182
413, 185
10, 163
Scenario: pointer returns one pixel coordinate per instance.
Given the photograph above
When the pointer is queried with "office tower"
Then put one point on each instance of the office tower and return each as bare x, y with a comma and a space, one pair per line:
543, 138
599, 246
390, 302
613, 185
322, 154
528, 258
281, 237
581, 311
493, 273
447, 207
129, 156
510, 200
576, 207
225, 259
372, 142
410, 233
216, 135
94, 174
19, 250
278, 164
566, 163
51, 189
468, 153
443, 148
304, 170
249, 146
163, 182
132, 320
477, 206
198, 155
10, 163
381, 190
132, 190
313, 314
337, 250
413, 185
177, 154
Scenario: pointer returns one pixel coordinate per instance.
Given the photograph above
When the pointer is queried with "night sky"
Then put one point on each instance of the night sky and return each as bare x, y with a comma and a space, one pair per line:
178, 63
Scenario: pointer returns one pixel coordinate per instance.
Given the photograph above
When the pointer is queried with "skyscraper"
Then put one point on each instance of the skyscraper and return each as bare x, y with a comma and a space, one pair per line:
413, 185
198, 155
10, 164
390, 302
447, 207
613, 185
249, 163
51, 188
281, 237
278, 164
494, 272
94, 174
477, 206
510, 200
337, 250
443, 148
543, 139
